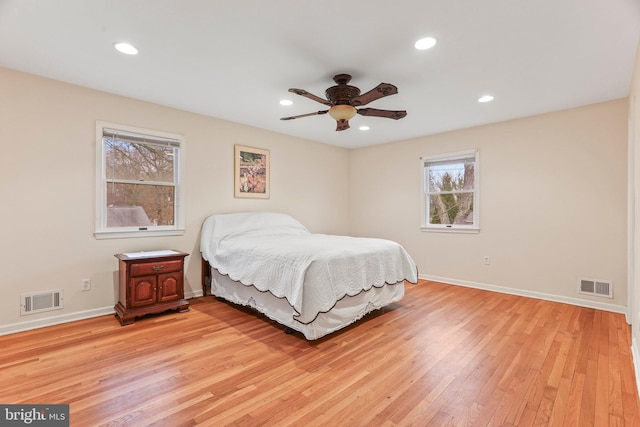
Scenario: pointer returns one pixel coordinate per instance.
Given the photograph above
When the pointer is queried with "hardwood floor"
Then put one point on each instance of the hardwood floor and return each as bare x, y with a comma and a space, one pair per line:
444, 355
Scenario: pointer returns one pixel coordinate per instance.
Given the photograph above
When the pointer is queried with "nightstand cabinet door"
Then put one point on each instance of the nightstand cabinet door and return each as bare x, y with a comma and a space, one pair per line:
150, 282
170, 287
143, 290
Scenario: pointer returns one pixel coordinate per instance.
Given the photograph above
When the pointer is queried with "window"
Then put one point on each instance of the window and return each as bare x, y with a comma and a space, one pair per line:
139, 182
450, 192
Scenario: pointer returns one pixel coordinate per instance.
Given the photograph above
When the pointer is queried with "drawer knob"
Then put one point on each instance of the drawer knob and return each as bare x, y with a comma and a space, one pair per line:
157, 267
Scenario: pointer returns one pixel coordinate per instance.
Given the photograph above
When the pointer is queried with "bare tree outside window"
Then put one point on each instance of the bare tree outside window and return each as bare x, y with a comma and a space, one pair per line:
139, 175
139, 182
450, 191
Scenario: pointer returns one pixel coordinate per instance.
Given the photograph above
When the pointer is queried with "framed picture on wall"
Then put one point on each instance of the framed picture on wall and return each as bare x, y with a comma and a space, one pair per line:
251, 172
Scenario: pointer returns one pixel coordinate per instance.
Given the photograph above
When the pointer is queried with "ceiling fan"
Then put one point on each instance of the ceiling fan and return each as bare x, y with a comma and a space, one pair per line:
343, 99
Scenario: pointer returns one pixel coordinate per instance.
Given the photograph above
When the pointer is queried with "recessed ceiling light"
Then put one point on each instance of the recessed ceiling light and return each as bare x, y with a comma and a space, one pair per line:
485, 98
125, 48
286, 102
425, 43
364, 127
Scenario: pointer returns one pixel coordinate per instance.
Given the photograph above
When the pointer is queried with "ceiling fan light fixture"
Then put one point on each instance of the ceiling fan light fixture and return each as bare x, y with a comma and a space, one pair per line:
342, 112
425, 43
286, 102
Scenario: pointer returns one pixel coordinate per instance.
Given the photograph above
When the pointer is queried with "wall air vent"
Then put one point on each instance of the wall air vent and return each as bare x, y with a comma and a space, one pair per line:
600, 288
37, 302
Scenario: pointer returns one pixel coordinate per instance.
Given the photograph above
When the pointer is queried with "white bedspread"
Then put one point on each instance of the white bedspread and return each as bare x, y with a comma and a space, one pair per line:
275, 253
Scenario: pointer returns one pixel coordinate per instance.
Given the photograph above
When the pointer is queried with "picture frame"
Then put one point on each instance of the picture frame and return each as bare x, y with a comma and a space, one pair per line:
251, 172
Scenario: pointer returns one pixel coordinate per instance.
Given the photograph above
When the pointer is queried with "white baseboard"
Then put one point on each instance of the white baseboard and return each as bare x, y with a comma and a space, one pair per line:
193, 294
54, 320
532, 294
70, 317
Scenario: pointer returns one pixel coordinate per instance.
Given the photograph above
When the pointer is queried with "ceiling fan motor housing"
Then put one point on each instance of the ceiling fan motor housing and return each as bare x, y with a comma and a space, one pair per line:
342, 93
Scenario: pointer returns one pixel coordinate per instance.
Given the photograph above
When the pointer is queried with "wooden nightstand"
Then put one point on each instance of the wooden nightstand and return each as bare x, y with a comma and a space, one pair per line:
150, 282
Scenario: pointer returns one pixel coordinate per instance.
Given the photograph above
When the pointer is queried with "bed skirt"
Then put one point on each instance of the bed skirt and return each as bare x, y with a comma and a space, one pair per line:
346, 311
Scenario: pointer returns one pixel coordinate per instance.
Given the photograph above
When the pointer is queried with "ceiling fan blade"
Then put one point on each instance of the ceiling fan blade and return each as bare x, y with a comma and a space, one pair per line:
389, 114
380, 91
342, 124
306, 94
317, 113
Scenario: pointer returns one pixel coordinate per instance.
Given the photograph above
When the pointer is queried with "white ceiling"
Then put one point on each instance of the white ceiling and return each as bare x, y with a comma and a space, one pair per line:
236, 60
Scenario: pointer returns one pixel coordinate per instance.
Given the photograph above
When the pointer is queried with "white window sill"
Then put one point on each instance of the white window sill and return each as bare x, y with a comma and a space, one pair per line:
100, 235
451, 230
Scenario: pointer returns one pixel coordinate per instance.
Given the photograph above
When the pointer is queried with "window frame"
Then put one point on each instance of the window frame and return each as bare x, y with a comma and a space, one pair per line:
101, 229
425, 200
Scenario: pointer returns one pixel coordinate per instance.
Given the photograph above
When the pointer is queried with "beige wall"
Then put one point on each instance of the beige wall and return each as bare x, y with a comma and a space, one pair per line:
553, 203
47, 171
634, 217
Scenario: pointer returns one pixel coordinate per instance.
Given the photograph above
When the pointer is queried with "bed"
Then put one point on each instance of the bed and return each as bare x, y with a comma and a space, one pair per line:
315, 284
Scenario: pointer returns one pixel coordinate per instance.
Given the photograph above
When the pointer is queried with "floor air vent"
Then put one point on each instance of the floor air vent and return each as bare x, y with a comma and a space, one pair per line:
37, 302
601, 288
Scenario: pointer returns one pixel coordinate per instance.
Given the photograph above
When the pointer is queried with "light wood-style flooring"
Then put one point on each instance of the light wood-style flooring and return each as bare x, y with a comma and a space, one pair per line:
444, 355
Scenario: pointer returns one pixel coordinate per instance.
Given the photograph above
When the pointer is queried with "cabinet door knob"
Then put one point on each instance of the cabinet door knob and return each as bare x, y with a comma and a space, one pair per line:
157, 267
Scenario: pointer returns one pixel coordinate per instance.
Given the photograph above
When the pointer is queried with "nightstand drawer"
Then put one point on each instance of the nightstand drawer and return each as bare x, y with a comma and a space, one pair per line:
146, 269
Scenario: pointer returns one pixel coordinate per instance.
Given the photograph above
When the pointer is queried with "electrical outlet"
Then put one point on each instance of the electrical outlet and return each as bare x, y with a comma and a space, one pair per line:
486, 260
86, 284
